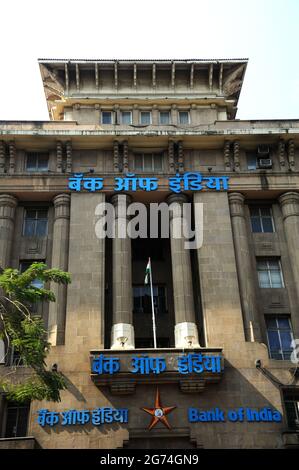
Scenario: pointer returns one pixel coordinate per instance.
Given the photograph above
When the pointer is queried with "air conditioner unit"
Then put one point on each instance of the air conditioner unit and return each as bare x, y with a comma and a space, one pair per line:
263, 150
265, 163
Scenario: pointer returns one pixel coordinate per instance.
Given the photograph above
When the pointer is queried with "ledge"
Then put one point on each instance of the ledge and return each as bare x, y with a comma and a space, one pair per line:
124, 381
26, 442
290, 439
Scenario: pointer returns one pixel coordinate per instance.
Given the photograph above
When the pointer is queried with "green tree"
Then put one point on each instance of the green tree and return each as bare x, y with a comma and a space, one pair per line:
26, 332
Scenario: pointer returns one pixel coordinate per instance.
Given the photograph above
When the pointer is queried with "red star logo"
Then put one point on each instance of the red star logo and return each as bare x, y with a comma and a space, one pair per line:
159, 412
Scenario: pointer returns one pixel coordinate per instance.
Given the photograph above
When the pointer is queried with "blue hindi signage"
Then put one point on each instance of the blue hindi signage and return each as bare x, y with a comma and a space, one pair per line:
191, 181
95, 417
145, 365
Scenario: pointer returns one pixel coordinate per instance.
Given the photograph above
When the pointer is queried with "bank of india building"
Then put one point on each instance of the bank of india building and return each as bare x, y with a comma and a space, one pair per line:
201, 353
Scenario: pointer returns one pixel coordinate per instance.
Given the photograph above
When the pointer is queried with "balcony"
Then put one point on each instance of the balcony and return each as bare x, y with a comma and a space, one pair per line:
122, 370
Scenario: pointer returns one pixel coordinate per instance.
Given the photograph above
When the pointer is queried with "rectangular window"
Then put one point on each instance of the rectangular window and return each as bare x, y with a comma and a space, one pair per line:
280, 336
126, 117
148, 162
184, 117
35, 222
25, 265
16, 419
146, 343
107, 117
251, 160
269, 273
164, 117
37, 161
14, 358
261, 219
142, 299
291, 401
145, 118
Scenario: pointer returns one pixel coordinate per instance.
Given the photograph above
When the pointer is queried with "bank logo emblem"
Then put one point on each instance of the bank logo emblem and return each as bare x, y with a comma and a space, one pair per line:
159, 412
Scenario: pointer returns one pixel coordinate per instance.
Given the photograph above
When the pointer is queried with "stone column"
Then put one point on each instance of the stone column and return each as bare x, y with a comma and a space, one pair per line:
244, 268
60, 256
8, 206
122, 335
186, 334
289, 203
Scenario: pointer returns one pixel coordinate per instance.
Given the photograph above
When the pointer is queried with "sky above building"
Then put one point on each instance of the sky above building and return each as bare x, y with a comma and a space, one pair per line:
264, 31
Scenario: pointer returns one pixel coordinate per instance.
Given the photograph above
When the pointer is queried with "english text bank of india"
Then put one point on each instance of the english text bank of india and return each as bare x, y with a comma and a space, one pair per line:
224, 372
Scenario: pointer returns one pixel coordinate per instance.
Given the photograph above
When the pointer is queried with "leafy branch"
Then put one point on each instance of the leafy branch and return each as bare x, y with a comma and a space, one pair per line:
26, 331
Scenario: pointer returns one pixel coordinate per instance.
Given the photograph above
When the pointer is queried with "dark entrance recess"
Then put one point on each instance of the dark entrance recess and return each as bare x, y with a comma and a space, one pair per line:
174, 442
159, 251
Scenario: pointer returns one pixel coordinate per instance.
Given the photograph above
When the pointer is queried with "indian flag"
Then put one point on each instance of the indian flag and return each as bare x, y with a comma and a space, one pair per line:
147, 272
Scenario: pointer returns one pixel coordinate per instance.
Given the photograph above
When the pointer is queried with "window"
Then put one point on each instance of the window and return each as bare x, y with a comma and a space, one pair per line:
37, 161
148, 162
35, 222
14, 358
183, 117
16, 419
280, 336
25, 265
261, 219
269, 273
146, 343
126, 117
145, 118
164, 117
142, 299
106, 117
291, 401
251, 160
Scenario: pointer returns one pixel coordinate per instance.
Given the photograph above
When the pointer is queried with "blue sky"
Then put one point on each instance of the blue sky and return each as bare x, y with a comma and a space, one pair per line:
265, 31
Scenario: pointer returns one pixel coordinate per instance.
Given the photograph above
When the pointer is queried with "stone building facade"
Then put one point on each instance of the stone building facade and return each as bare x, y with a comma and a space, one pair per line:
235, 297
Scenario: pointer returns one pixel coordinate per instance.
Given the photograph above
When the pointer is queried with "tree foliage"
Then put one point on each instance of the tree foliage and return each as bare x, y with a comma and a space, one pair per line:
26, 332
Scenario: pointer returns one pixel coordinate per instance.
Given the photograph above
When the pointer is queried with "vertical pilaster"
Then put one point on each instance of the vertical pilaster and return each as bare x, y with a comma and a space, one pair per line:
60, 256
171, 164
59, 157
281, 153
226, 154
244, 268
135, 114
125, 157
181, 157
186, 334
122, 335
236, 156
2, 157
8, 206
12, 157
69, 157
174, 114
289, 203
220, 296
115, 156
86, 293
291, 154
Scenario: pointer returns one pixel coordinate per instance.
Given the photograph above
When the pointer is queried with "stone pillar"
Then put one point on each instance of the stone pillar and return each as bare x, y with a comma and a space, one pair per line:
122, 335
244, 268
289, 203
60, 256
8, 206
186, 334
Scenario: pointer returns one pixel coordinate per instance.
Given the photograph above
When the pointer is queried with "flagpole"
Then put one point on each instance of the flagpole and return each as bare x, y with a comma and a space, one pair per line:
153, 307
